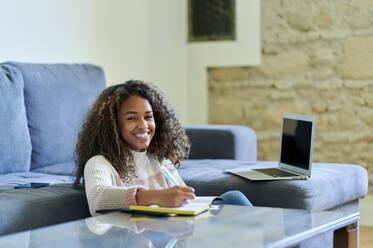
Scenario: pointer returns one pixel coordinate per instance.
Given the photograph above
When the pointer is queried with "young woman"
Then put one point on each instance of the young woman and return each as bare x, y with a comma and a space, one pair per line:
130, 135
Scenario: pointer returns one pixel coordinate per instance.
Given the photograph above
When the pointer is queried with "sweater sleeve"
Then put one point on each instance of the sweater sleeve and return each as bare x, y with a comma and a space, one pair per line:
104, 189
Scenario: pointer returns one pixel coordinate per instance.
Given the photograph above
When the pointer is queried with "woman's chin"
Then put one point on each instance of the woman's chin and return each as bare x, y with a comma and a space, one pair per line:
139, 148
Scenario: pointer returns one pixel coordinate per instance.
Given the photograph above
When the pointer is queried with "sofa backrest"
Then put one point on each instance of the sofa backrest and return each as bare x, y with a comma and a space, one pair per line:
15, 142
222, 142
57, 98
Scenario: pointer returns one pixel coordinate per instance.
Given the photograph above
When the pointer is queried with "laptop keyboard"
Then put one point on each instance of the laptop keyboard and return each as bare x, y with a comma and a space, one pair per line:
276, 172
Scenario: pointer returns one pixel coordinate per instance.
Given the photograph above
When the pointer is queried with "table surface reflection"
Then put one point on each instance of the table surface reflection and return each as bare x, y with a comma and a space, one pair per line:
229, 225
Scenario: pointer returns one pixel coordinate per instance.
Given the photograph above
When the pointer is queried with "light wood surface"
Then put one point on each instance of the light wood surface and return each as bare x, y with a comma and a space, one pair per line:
366, 236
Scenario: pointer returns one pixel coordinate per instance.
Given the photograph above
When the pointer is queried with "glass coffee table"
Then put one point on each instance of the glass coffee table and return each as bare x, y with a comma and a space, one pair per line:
225, 226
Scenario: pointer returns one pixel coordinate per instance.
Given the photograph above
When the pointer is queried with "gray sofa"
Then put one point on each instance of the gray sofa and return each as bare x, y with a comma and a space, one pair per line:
42, 107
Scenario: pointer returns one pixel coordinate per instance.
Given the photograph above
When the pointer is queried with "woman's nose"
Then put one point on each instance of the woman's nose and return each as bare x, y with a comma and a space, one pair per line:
142, 123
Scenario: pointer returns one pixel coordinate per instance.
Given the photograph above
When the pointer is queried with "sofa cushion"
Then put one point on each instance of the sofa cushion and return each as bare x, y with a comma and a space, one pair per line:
15, 143
19, 240
221, 142
8, 181
67, 168
23, 209
330, 185
57, 98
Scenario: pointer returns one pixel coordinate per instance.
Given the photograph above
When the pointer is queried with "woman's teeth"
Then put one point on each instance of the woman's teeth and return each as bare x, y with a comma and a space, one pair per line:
141, 135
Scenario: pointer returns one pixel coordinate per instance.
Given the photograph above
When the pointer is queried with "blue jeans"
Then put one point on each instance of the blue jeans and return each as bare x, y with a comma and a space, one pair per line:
233, 197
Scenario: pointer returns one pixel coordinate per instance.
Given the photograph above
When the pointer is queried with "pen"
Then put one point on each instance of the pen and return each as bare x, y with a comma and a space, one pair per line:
169, 176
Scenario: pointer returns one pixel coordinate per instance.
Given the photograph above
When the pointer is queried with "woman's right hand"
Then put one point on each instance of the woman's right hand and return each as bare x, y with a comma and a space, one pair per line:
171, 197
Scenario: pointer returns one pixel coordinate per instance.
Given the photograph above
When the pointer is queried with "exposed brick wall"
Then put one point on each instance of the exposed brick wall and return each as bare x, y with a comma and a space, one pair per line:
317, 59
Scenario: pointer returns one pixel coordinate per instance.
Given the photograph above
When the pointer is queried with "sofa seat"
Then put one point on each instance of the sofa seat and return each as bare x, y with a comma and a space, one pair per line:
330, 185
23, 209
8, 181
67, 168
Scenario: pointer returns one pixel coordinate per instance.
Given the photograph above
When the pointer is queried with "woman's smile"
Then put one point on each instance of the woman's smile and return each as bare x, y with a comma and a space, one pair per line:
142, 136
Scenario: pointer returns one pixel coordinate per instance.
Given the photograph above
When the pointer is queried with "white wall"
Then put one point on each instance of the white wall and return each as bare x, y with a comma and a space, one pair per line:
48, 31
244, 51
143, 39
139, 39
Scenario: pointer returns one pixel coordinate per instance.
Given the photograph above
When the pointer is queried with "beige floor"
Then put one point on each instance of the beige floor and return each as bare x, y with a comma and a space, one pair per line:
366, 211
366, 222
366, 236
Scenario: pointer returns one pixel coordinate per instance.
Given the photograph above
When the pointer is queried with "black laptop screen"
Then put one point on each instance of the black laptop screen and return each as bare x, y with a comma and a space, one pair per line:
296, 143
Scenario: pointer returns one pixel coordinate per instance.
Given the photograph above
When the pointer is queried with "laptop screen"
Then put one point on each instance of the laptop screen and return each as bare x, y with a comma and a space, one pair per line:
296, 143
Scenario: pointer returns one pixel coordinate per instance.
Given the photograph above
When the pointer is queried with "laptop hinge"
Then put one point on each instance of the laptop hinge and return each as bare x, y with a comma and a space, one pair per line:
294, 172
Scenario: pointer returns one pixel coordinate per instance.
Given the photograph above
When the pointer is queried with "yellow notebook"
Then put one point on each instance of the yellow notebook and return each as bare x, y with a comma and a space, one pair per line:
202, 215
193, 207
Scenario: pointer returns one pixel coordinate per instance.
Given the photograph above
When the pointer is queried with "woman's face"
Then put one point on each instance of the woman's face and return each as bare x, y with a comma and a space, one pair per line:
136, 122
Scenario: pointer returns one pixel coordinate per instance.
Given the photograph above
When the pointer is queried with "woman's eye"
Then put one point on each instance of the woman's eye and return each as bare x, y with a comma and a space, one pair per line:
149, 117
131, 118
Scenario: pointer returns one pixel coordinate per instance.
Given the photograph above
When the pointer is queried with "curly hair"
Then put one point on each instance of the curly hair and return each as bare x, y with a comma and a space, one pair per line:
100, 133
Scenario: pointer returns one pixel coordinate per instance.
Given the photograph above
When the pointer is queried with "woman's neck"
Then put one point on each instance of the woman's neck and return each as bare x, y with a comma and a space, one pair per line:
138, 155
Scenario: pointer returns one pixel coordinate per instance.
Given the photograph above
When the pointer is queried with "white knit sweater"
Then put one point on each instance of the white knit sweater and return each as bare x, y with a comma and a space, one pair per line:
105, 189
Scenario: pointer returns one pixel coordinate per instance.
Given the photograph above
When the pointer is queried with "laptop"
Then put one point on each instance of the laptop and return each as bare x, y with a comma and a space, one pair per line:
295, 156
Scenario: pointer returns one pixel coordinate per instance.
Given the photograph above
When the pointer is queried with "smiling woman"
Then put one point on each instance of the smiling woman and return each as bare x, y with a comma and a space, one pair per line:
129, 148
130, 133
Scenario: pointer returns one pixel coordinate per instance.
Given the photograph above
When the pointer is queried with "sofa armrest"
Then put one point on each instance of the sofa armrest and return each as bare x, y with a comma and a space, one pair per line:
222, 142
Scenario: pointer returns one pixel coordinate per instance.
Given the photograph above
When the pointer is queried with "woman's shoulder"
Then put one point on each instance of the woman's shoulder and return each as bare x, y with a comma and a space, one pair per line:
98, 162
165, 162
168, 164
98, 159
